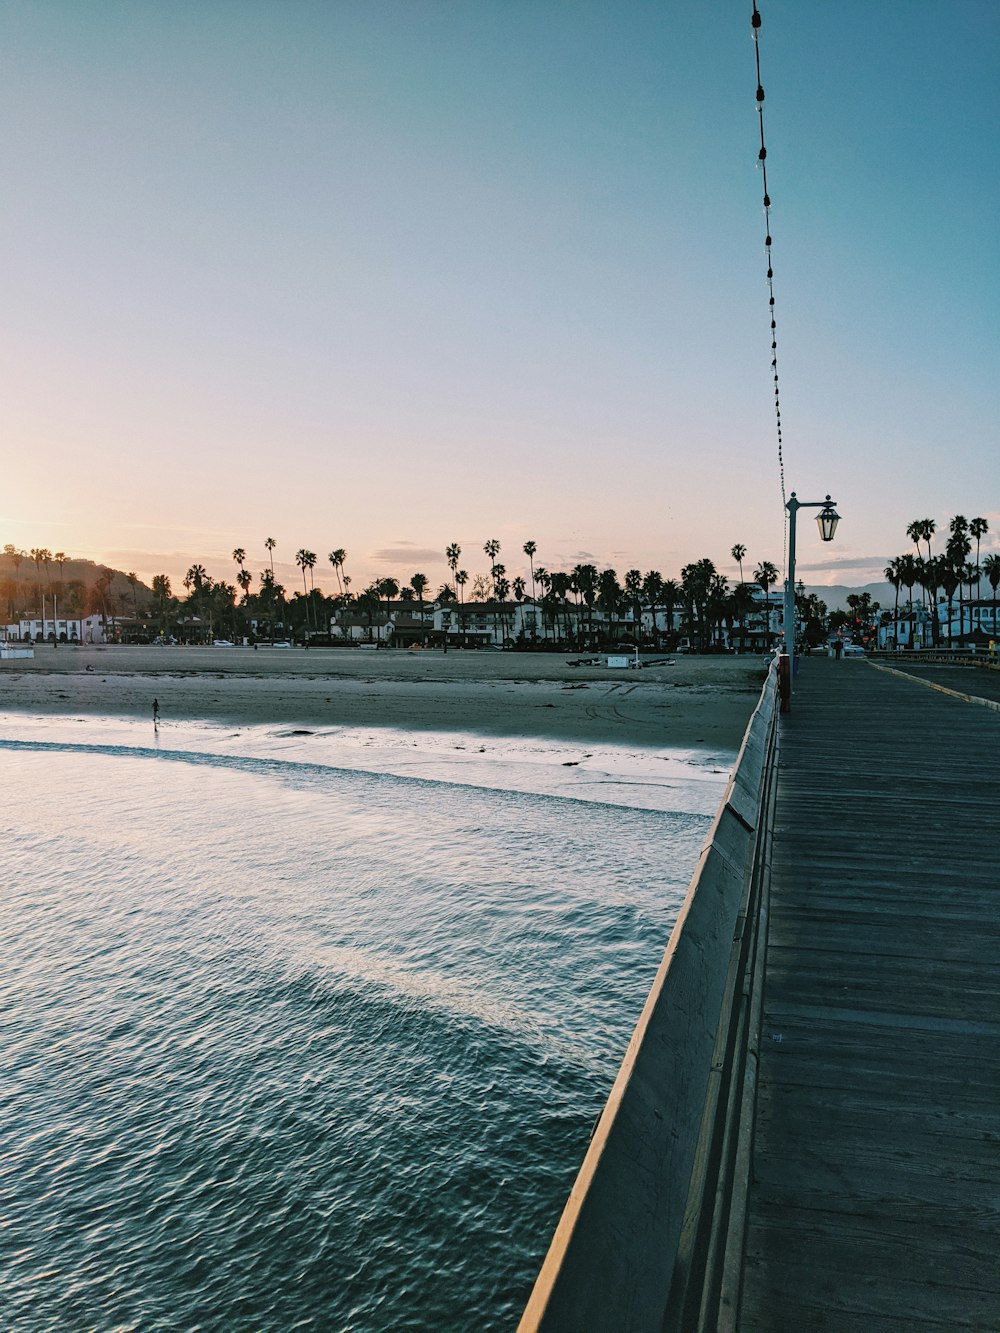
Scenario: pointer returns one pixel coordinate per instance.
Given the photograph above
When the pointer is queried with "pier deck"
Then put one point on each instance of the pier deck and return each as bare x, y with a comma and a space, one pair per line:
875, 1195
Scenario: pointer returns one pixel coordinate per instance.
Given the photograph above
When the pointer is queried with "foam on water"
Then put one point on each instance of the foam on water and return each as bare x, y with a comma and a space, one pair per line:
310, 1031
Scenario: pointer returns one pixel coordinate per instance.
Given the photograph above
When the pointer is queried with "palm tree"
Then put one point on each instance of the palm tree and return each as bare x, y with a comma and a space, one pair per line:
337, 558
922, 530
957, 550
198, 584
543, 579
389, 589
133, 579
652, 590
908, 569
632, 585
739, 554
243, 578
670, 596
240, 556
697, 581
196, 578
978, 528
302, 560
892, 576
716, 604
491, 549
529, 548
991, 568
461, 579
419, 585
948, 579
609, 596
586, 577
17, 556
60, 558
929, 573
743, 603
270, 543
559, 584
766, 574
38, 554
162, 598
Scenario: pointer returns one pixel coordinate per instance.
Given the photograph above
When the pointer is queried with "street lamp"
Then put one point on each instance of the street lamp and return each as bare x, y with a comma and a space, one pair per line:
827, 520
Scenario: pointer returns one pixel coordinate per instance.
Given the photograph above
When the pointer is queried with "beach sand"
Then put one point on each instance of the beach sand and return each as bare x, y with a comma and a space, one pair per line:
680, 701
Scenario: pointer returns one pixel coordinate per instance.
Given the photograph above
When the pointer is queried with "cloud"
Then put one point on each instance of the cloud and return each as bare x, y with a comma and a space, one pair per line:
407, 553
843, 562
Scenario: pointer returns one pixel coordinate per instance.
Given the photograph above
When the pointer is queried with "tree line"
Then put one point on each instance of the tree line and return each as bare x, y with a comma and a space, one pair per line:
949, 571
568, 598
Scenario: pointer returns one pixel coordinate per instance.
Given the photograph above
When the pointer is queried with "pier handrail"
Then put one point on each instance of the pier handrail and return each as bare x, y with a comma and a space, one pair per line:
651, 1235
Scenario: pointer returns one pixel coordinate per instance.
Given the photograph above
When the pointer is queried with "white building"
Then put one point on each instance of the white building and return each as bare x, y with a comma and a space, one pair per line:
62, 629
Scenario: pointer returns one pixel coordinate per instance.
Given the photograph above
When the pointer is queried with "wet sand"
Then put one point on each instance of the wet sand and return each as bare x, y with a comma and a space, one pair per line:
678, 701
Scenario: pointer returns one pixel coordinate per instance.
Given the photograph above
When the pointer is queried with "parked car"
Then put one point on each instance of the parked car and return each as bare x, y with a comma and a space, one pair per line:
853, 650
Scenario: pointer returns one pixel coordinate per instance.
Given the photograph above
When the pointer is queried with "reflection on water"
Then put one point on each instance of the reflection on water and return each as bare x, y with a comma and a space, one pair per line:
296, 1044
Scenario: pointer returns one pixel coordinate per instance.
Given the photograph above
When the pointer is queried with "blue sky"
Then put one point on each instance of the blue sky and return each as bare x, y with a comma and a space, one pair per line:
385, 276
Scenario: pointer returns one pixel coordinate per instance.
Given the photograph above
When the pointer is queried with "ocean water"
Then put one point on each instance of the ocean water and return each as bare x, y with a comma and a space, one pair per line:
310, 1030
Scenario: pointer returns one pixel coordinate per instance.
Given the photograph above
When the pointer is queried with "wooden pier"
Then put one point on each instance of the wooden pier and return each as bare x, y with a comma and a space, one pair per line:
805, 1132
874, 1192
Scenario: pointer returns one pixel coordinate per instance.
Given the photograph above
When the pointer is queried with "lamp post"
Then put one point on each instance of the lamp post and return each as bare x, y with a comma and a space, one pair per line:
827, 520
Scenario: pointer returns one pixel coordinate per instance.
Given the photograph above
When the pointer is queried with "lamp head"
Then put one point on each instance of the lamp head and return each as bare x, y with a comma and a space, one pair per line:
827, 520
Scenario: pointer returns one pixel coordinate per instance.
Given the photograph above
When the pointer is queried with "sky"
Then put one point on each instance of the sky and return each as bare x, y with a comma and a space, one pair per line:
385, 275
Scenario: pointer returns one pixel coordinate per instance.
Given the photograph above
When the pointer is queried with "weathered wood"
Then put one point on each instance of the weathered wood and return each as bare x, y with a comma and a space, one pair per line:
875, 1200
612, 1261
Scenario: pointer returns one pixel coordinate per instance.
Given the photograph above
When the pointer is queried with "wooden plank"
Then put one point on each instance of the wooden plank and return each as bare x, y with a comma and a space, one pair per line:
875, 1200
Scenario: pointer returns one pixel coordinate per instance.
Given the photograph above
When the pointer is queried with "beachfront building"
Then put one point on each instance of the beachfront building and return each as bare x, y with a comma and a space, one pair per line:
86, 629
972, 624
390, 624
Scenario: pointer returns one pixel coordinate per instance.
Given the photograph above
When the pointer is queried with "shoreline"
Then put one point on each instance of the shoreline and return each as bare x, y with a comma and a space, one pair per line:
682, 702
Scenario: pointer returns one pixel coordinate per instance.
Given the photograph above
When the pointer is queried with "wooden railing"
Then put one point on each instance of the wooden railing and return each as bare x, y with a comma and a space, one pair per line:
651, 1236
938, 656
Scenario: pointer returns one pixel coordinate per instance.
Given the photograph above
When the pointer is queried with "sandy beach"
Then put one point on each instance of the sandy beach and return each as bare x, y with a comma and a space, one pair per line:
679, 701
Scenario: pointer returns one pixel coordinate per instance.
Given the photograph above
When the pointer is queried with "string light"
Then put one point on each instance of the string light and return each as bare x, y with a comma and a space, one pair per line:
755, 23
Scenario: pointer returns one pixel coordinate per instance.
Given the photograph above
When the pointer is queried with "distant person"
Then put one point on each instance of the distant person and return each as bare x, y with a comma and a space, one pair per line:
156, 712
838, 648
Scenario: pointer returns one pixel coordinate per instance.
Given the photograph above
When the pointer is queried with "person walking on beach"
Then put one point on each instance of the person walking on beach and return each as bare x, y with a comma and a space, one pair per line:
156, 712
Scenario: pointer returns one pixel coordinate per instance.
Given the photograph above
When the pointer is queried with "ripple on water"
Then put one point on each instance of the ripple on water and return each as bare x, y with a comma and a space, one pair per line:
289, 1052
